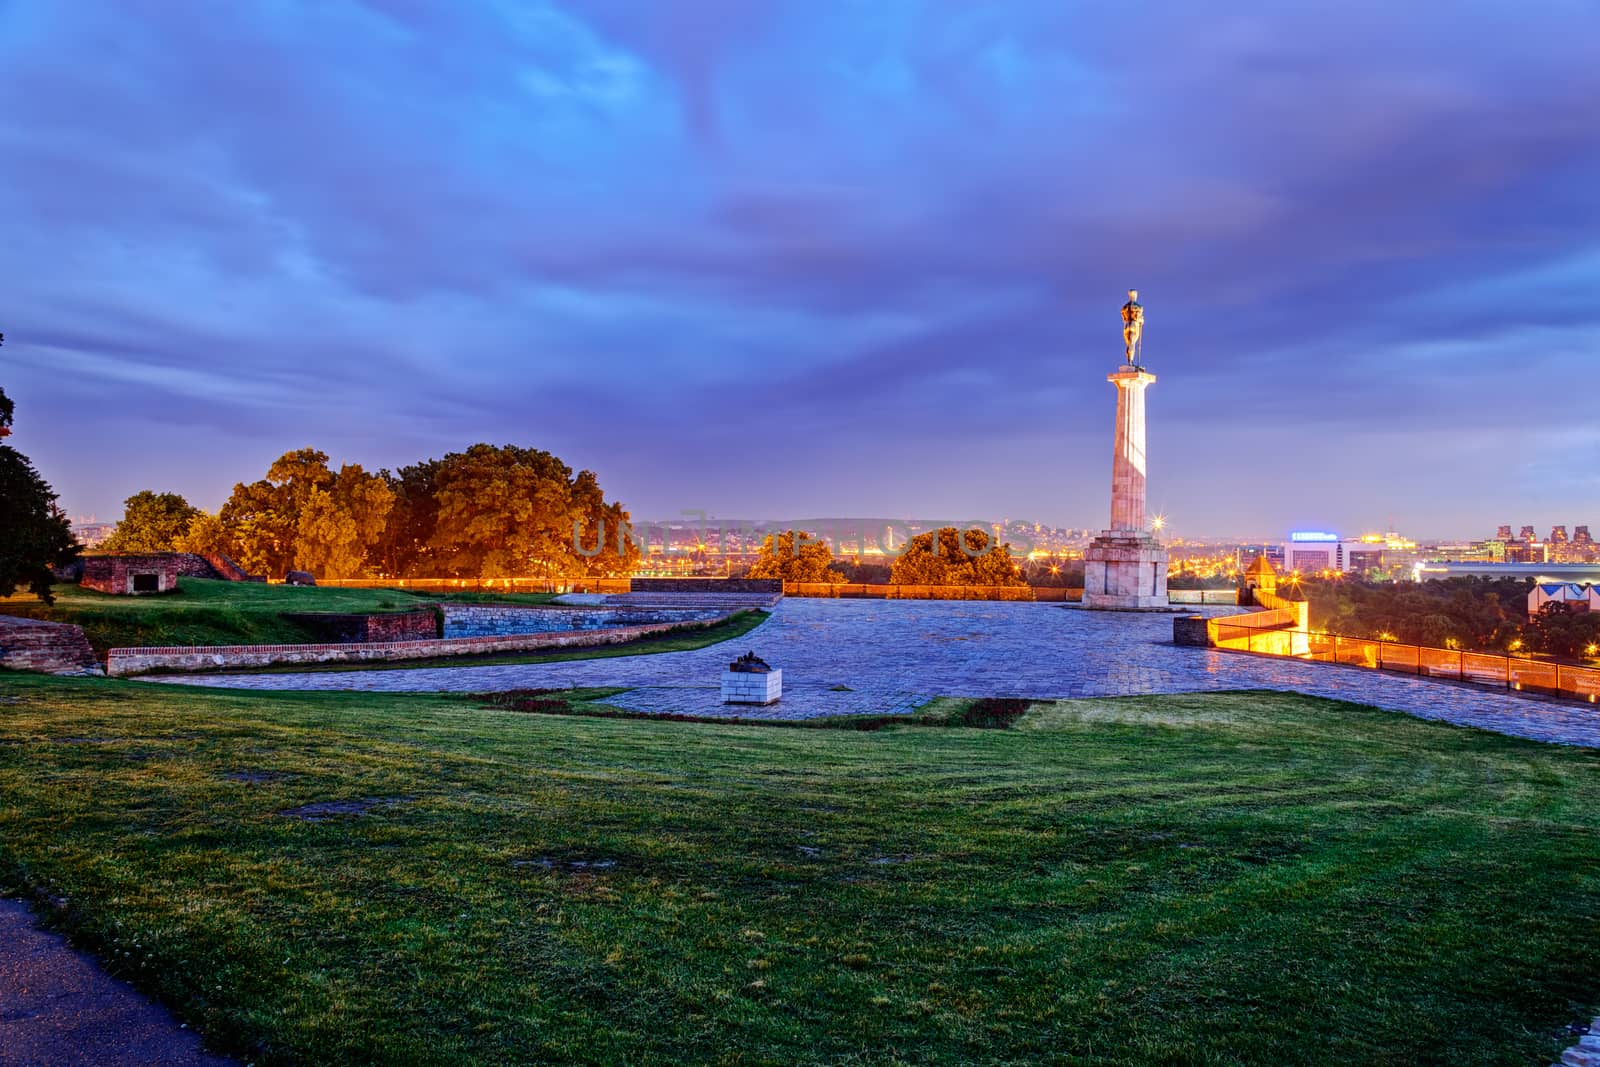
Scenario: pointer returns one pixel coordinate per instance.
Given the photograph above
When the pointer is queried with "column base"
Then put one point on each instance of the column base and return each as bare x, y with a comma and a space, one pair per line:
1125, 570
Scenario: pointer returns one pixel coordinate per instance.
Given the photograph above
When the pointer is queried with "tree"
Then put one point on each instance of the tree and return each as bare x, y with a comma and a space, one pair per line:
404, 549
338, 526
151, 522
205, 535
602, 537
34, 532
955, 557
260, 525
263, 517
303, 515
505, 512
1561, 630
795, 556
7, 408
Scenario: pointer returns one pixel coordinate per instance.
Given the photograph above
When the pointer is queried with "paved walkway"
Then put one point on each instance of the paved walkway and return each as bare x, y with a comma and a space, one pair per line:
59, 1009
871, 657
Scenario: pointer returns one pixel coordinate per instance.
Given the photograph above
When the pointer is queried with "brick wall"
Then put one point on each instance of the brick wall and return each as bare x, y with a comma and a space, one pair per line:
356, 627
123, 661
117, 573
47, 647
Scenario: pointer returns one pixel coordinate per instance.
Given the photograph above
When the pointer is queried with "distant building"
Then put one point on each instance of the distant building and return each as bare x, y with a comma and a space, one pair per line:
1315, 551
93, 534
1527, 552
1579, 597
1558, 535
1503, 533
1527, 534
1580, 536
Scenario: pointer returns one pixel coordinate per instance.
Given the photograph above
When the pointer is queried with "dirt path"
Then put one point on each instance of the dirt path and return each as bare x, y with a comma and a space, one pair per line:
58, 1008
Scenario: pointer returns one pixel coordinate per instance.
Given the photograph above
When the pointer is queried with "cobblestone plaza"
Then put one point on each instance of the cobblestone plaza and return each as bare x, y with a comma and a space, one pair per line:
874, 657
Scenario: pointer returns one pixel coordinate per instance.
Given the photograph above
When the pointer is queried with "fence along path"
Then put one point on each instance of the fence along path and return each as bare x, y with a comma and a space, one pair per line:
1278, 632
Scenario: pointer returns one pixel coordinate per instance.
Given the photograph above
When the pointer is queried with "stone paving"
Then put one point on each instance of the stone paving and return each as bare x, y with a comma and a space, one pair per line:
873, 657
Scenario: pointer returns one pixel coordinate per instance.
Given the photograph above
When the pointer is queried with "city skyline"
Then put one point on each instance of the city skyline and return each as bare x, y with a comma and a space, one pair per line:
830, 260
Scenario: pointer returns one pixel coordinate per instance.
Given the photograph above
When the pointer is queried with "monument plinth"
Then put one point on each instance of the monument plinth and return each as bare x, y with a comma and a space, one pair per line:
1125, 568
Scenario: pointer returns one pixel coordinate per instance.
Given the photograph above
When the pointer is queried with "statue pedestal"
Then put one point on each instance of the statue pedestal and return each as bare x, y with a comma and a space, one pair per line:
1125, 570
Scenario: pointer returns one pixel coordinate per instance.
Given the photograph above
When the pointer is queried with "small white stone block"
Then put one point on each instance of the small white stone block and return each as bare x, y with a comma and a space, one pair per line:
739, 687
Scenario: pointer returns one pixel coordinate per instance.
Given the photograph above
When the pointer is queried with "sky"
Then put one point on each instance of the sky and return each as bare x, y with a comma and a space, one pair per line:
829, 257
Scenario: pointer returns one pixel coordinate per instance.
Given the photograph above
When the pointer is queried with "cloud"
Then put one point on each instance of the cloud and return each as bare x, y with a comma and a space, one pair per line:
884, 229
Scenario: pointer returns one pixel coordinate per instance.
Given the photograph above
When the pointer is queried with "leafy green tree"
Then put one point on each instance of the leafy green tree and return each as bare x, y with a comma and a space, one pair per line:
34, 532
795, 556
1561, 630
949, 556
261, 526
1469, 613
205, 534
602, 538
405, 548
303, 515
151, 522
505, 512
336, 527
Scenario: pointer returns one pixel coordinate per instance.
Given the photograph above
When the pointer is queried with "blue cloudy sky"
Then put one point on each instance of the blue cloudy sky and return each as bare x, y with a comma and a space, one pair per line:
820, 257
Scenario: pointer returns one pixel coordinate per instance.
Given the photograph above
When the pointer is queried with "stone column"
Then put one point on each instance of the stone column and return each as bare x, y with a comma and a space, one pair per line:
1125, 568
1127, 461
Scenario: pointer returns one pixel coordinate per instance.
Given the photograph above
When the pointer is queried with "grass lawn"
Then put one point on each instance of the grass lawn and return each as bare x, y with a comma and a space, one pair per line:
206, 612
1218, 879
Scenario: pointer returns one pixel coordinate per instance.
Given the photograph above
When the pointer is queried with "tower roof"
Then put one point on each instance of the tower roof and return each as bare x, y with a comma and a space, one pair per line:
1260, 568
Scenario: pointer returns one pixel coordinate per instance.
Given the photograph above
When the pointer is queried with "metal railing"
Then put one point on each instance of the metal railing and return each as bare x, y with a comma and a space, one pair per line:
1267, 637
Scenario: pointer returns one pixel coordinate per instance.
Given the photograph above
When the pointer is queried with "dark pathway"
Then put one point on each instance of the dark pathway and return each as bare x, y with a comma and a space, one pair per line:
58, 1008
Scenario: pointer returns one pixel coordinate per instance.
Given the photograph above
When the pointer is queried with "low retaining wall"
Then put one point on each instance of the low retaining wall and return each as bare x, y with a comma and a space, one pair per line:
45, 647
920, 592
706, 585
491, 620
125, 661
483, 585
1202, 596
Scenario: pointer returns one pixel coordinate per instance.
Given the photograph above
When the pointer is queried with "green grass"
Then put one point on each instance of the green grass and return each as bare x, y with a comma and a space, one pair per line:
203, 612
1219, 879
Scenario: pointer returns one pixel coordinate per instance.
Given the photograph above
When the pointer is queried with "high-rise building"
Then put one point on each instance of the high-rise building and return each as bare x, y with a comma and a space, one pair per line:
1503, 533
1580, 536
1527, 535
1558, 535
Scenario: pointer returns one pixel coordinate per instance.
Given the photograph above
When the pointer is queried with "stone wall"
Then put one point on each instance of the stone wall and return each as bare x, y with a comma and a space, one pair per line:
124, 661
493, 620
855, 590
706, 585
124, 574
46, 647
214, 565
358, 627
1191, 631
1203, 596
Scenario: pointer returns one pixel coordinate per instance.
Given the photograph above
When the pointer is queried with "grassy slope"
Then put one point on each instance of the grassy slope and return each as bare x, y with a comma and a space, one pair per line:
1230, 878
205, 612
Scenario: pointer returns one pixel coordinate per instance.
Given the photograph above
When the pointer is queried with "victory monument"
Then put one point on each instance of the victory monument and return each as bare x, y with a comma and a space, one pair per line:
1125, 568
